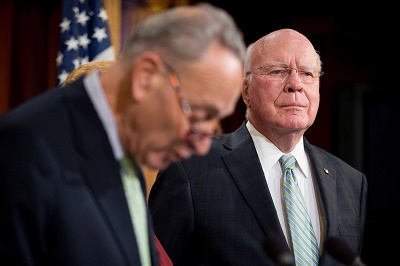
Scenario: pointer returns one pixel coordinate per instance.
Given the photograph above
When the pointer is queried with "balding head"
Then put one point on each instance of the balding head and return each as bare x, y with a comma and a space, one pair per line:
281, 88
271, 45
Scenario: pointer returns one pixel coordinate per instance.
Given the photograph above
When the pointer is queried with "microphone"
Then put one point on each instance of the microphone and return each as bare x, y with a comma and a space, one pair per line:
277, 248
341, 251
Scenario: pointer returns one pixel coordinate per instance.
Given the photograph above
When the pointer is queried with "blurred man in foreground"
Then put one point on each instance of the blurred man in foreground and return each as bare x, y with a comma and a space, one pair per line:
71, 189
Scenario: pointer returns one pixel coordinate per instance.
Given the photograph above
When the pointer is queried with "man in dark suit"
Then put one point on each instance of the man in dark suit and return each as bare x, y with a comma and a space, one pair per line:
222, 208
65, 193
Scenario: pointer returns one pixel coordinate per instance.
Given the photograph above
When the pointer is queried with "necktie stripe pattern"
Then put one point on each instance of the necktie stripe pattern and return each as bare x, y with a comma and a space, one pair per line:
305, 246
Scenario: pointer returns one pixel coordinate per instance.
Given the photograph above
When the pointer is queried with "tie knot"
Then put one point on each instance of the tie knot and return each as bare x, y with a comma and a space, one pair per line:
127, 165
288, 161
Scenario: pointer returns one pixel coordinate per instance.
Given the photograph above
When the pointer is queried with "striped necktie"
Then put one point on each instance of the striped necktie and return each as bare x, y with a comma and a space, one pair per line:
304, 244
137, 208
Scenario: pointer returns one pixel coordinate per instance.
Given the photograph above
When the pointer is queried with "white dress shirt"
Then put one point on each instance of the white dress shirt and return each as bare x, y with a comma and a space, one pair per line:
269, 156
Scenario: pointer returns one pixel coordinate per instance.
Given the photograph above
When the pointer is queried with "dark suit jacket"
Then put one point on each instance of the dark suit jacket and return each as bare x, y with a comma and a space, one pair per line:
217, 209
61, 197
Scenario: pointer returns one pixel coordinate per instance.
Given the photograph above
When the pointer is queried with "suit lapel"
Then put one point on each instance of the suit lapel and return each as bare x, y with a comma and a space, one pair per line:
249, 177
255, 189
325, 175
102, 171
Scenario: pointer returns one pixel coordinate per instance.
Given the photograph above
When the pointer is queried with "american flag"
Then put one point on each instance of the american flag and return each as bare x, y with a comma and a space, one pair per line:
84, 36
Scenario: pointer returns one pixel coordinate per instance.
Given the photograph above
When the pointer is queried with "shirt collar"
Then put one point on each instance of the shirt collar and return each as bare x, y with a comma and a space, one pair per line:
96, 94
270, 154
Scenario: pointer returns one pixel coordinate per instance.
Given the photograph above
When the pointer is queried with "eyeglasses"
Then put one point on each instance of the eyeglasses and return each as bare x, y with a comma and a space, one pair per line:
187, 110
280, 73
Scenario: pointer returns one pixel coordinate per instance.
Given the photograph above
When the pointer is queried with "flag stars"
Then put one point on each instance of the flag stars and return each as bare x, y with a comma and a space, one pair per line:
63, 76
65, 24
84, 36
84, 60
82, 18
99, 34
72, 44
84, 41
76, 62
59, 58
75, 10
103, 14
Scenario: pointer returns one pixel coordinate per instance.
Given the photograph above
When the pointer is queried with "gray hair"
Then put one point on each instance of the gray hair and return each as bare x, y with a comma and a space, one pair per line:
184, 33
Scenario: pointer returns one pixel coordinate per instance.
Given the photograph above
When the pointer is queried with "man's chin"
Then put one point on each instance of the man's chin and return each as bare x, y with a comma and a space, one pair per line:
158, 163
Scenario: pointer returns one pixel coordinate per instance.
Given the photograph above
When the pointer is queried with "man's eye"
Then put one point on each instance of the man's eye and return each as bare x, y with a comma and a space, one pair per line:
278, 72
306, 74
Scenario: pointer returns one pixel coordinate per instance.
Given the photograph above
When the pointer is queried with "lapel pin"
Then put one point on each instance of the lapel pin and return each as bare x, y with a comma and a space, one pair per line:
326, 171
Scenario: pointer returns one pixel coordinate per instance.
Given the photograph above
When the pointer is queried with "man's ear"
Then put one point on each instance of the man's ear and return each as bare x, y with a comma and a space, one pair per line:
145, 72
245, 92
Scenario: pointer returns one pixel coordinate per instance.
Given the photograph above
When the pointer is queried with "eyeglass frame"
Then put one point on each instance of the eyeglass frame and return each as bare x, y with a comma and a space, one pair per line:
187, 110
288, 71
